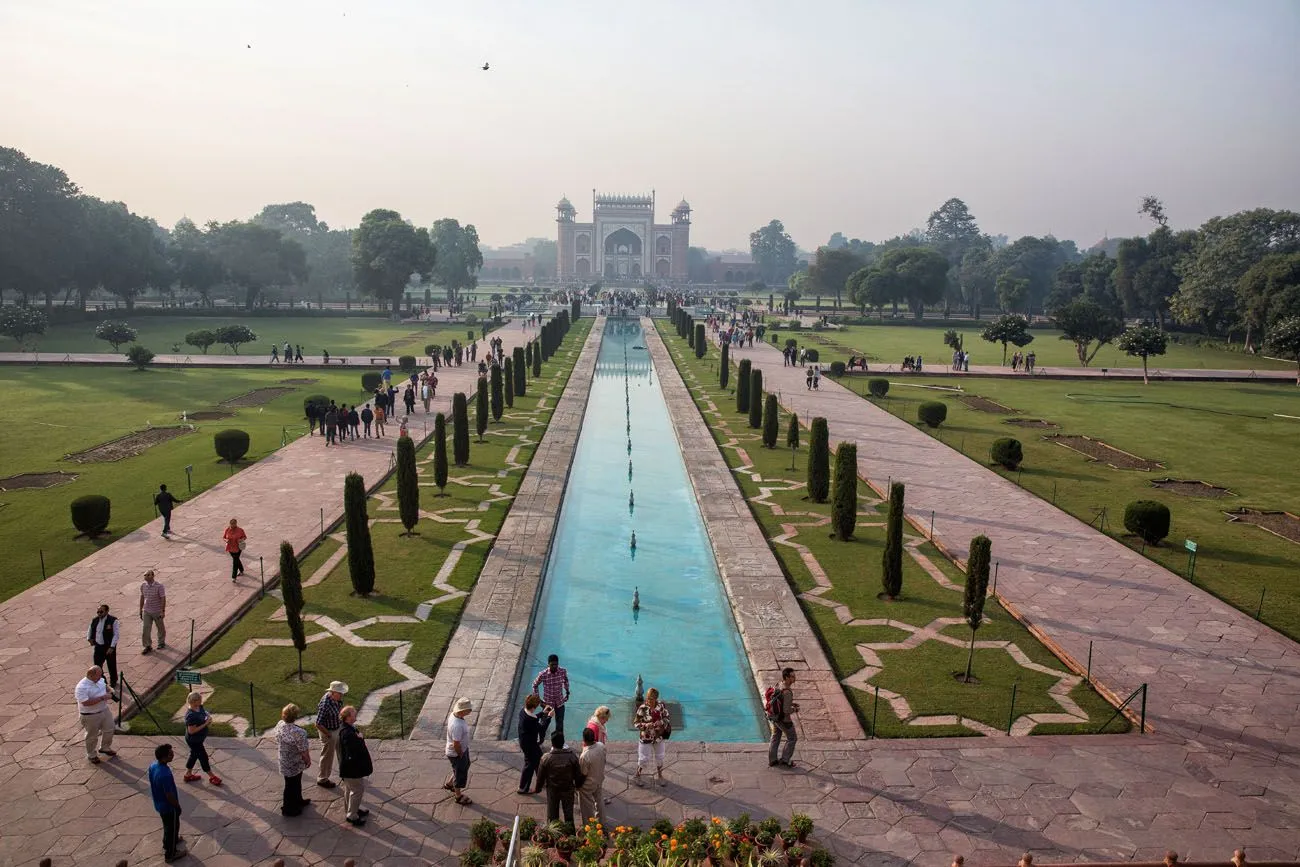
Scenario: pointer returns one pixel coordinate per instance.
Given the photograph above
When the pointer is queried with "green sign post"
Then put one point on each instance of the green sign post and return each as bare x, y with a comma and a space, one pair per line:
1191, 559
193, 678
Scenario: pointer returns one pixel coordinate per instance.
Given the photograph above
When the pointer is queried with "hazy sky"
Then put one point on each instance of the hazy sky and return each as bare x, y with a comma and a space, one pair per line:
851, 115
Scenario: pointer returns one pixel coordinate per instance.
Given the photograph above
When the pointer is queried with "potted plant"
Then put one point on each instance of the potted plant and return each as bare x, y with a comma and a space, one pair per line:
802, 825
787, 839
534, 856
739, 825
772, 856
565, 845
794, 855
821, 858
545, 836
473, 857
527, 827
483, 835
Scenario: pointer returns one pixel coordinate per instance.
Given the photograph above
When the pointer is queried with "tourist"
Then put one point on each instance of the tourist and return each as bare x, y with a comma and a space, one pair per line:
295, 757
781, 706
559, 773
354, 767
599, 719
408, 398
808, 377
165, 502
354, 422
653, 726
533, 722
297, 356
102, 635
327, 728
96, 715
313, 413
325, 355
387, 376
555, 688
457, 750
367, 417
153, 610
275, 353
236, 541
288, 352
166, 800
380, 414
330, 423
817, 376
197, 720
591, 798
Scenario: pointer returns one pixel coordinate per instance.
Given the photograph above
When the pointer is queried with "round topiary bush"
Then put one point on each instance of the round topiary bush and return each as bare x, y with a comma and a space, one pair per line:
1148, 519
1007, 452
90, 514
837, 368
371, 380
231, 445
878, 387
406, 362
471, 319
320, 401
432, 349
932, 412
812, 355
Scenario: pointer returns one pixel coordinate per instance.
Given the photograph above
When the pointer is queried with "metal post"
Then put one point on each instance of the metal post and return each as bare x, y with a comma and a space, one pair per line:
875, 706
401, 715
1260, 607
252, 711
121, 691
322, 522
1053, 493
995, 576
1088, 674
191, 659
261, 568
1019, 472
42, 564
932, 525
1143, 724
1012, 718
1191, 567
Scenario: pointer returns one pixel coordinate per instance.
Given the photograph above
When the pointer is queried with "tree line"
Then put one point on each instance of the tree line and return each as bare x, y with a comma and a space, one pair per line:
58, 243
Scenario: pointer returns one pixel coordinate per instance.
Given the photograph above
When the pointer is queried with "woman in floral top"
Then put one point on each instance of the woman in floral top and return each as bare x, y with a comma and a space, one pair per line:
295, 757
654, 725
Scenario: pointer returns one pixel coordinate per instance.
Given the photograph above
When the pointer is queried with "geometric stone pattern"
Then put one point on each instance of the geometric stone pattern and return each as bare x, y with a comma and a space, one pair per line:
773, 627
484, 652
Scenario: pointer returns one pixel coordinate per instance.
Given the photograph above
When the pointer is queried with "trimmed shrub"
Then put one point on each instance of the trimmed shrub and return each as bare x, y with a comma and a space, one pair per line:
1148, 519
811, 355
361, 554
756, 398
701, 344
690, 330
878, 387
140, 356
432, 349
977, 588
837, 368
932, 413
320, 401
891, 572
291, 593
537, 365
792, 433
724, 371
408, 485
371, 380
771, 424
231, 444
844, 505
460, 429
742, 385
521, 368
440, 453
90, 514
509, 389
1008, 452
481, 411
495, 392
819, 461
406, 363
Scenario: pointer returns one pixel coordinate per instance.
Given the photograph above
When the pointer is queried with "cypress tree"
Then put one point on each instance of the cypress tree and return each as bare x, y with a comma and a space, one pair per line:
756, 398
291, 592
537, 363
742, 385
521, 384
844, 504
771, 425
792, 437
509, 389
528, 353
724, 370
481, 412
700, 343
819, 461
977, 587
408, 486
361, 555
891, 575
690, 332
496, 392
460, 429
440, 453
577, 309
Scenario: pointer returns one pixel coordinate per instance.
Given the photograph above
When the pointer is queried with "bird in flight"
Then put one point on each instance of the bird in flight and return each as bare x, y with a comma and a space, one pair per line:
486, 67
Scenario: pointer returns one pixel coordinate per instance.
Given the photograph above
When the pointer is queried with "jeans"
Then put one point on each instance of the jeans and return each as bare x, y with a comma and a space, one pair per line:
171, 822
559, 718
236, 564
367, 424
167, 521
779, 730
149, 620
557, 800
291, 804
532, 757
105, 653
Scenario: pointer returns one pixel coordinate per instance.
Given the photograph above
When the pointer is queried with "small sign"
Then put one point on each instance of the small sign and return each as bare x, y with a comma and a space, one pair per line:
1190, 546
192, 678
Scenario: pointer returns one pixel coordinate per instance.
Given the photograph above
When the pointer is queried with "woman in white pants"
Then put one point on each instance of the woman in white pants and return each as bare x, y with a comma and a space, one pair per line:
655, 727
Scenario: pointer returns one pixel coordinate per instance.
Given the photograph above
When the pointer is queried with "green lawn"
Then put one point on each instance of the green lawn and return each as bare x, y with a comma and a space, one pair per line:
341, 336
887, 344
67, 410
1227, 434
922, 675
405, 571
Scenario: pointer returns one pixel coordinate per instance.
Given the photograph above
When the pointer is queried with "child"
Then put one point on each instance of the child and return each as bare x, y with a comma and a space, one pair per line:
197, 720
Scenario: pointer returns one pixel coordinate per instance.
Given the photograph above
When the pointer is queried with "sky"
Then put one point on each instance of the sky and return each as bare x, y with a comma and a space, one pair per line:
856, 116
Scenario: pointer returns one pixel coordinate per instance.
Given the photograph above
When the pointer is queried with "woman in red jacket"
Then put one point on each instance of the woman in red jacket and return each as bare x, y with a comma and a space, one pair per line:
236, 539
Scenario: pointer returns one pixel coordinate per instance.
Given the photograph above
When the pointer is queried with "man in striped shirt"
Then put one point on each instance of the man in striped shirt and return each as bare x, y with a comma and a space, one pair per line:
153, 608
555, 689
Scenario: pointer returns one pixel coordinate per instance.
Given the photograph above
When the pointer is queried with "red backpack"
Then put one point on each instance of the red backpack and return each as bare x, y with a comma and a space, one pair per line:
772, 703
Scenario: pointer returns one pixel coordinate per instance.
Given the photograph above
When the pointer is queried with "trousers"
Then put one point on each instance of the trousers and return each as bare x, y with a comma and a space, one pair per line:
353, 789
102, 656
149, 621
329, 744
99, 730
779, 730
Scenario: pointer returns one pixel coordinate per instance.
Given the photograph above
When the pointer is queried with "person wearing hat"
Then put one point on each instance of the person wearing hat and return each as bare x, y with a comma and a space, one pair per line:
327, 727
458, 750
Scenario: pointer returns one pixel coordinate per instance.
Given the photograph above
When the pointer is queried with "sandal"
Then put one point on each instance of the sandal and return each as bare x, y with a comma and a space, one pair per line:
463, 800
449, 787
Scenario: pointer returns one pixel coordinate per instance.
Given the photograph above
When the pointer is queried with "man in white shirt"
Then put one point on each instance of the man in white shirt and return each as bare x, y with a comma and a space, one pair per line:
458, 735
96, 714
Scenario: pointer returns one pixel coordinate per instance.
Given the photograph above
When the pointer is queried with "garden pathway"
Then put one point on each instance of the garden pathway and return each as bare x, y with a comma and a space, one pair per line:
1216, 677
288, 495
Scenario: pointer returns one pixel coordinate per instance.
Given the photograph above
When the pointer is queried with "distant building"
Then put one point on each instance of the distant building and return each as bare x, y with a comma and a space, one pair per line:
509, 265
732, 268
623, 241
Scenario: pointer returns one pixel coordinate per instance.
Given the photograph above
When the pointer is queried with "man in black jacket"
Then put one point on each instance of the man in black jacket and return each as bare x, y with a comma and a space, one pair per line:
559, 773
533, 723
102, 635
165, 503
354, 766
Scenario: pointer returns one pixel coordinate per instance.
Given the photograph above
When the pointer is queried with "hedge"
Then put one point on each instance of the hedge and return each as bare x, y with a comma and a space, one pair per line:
90, 514
231, 444
1008, 452
932, 413
878, 387
371, 380
1148, 519
406, 363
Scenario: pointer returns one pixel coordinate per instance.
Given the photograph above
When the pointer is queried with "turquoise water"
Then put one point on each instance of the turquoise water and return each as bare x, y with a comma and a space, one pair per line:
683, 640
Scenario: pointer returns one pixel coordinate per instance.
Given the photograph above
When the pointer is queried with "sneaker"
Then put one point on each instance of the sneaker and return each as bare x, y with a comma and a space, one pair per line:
357, 822
162, 645
326, 784
214, 779
180, 853
362, 812
189, 777
146, 651
108, 752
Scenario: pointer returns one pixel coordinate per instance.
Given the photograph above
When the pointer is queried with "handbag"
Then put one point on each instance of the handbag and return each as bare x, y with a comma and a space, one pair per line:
668, 730
242, 544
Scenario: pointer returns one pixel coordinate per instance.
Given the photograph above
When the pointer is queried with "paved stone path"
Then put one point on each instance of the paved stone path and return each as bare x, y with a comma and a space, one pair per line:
1215, 675
43, 650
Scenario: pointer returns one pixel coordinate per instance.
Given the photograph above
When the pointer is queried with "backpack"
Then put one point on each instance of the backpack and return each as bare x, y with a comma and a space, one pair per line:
772, 704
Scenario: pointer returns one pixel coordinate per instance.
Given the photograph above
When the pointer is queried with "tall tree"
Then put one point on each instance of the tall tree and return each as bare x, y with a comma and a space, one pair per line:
773, 251
697, 265
291, 593
361, 554
440, 453
977, 588
328, 252
39, 206
891, 573
819, 460
497, 398
386, 252
481, 408
976, 275
1284, 339
755, 398
257, 257
831, 269
408, 485
1269, 292
460, 429
458, 258
1008, 328
792, 437
1083, 323
918, 275
1143, 341
844, 503
771, 422
194, 264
